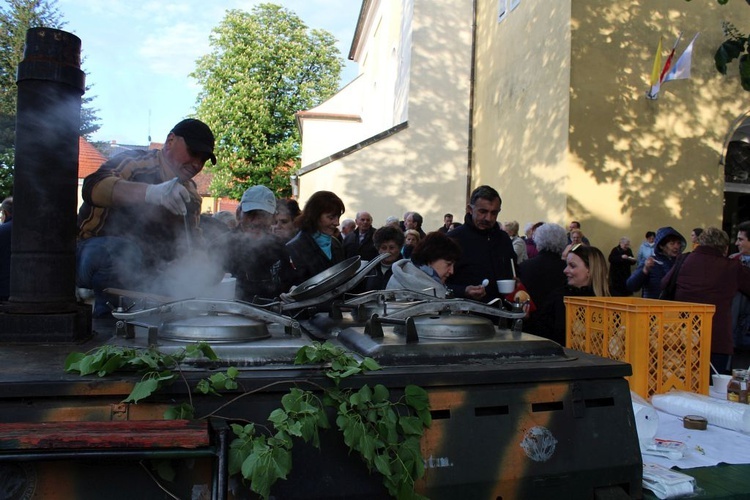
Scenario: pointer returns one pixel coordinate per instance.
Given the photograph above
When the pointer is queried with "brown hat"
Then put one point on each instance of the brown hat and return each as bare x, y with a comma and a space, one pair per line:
197, 136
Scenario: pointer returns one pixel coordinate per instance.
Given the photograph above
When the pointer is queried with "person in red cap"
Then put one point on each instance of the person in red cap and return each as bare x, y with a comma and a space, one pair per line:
141, 210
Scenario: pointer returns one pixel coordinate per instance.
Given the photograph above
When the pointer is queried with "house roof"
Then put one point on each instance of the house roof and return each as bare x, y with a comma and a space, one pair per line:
89, 158
202, 181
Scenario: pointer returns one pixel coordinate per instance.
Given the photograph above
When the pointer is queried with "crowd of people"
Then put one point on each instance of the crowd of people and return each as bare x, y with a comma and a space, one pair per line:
140, 228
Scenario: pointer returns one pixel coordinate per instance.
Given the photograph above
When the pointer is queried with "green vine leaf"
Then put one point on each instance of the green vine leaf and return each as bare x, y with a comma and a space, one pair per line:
183, 411
142, 390
265, 466
383, 465
385, 434
164, 469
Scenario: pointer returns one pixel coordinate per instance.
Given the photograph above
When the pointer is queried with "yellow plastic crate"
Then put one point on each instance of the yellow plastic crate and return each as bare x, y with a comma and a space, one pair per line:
667, 343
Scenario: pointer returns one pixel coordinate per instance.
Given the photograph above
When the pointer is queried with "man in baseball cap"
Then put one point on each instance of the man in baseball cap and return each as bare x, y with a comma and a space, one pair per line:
141, 211
252, 254
197, 136
258, 198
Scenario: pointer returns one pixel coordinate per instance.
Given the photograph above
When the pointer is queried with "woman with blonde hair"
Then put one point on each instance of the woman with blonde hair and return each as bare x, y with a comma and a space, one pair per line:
586, 271
411, 240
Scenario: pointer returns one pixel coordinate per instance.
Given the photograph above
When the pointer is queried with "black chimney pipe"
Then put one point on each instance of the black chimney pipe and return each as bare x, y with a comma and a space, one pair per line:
42, 305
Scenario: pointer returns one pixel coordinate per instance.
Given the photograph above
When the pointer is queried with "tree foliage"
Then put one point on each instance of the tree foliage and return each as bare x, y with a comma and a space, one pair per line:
263, 67
735, 46
15, 19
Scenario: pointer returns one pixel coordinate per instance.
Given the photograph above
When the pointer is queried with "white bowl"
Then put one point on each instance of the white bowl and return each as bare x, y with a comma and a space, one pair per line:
506, 286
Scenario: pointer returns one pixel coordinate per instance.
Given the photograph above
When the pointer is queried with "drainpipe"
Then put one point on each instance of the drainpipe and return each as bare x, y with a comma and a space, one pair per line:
472, 81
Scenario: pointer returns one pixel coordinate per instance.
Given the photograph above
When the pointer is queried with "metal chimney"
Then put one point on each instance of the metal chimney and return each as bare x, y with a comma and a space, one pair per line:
42, 306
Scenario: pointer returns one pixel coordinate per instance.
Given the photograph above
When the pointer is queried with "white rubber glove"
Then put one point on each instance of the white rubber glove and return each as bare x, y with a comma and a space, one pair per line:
171, 195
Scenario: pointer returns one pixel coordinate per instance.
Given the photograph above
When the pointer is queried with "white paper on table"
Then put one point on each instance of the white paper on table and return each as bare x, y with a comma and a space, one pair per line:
666, 483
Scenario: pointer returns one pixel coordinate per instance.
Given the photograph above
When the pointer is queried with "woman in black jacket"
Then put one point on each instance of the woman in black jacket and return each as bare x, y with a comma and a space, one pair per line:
315, 247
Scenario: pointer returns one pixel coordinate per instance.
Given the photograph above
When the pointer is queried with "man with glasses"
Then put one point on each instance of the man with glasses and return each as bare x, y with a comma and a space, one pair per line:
486, 250
140, 211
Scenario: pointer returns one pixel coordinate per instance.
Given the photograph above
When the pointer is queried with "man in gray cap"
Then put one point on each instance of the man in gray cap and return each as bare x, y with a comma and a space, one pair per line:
252, 253
141, 211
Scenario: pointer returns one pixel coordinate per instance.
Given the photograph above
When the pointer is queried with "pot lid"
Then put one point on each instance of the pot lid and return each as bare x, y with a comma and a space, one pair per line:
452, 327
214, 328
327, 280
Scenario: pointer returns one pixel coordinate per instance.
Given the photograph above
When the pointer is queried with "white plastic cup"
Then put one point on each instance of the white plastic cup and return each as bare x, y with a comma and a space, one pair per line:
506, 286
720, 385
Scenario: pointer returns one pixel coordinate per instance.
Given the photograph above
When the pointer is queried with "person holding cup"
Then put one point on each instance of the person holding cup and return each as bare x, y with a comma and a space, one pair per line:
487, 251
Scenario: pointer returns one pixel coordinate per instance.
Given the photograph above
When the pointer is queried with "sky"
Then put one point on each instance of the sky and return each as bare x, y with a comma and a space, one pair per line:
138, 54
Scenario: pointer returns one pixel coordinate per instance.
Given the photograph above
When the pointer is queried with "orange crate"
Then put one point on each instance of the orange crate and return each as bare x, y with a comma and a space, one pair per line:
667, 343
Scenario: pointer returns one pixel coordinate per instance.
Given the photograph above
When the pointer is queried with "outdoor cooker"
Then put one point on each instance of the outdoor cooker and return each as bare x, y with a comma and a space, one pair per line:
514, 415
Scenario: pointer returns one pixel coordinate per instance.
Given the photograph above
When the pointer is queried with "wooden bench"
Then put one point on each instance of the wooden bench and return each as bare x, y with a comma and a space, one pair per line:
131, 439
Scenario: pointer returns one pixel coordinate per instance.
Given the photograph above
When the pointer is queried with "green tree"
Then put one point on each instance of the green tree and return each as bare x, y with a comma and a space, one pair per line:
263, 67
735, 46
15, 19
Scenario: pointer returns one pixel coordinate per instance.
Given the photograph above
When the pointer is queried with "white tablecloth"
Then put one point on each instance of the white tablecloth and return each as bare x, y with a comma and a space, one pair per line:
704, 448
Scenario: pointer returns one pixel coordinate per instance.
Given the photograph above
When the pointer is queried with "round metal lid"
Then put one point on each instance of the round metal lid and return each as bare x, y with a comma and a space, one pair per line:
454, 327
214, 328
327, 280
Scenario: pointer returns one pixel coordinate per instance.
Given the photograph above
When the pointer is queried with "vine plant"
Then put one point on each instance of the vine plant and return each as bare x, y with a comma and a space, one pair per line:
386, 434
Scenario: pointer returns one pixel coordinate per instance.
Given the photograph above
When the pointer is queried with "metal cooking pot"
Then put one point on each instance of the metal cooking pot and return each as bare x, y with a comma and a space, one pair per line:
327, 280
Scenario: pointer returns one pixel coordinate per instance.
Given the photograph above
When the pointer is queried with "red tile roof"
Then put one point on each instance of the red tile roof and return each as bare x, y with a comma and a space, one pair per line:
202, 181
89, 158
227, 204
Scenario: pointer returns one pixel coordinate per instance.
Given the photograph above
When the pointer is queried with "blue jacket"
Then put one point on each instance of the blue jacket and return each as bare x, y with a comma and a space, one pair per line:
651, 282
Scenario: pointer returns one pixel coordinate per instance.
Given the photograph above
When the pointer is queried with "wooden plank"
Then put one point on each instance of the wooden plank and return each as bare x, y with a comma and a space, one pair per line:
138, 434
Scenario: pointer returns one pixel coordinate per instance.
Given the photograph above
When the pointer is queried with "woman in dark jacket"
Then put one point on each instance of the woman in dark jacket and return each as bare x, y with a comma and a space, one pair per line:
708, 276
620, 261
667, 246
315, 248
544, 280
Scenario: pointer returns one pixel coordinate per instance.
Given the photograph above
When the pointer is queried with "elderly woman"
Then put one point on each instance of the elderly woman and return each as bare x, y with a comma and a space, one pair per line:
667, 246
708, 276
544, 280
519, 245
430, 265
315, 247
411, 240
388, 240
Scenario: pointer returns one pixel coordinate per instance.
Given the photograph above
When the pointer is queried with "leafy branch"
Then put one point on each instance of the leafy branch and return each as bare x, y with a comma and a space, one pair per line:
386, 434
